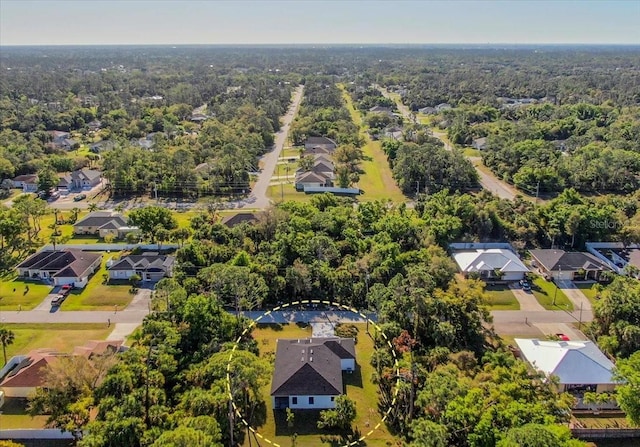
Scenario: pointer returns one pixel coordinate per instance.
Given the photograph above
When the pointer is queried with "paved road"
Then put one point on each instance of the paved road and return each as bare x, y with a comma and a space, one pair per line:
487, 181
258, 197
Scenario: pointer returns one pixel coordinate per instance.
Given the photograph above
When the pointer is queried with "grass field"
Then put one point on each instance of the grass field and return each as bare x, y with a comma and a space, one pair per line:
358, 385
14, 294
500, 297
377, 182
547, 293
470, 152
58, 336
287, 192
99, 296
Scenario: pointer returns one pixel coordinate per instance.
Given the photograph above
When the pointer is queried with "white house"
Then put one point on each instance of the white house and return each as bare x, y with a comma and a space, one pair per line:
491, 263
27, 182
149, 266
579, 365
308, 372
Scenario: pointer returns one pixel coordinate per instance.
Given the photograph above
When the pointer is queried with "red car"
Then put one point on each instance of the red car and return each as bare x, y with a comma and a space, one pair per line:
66, 289
562, 337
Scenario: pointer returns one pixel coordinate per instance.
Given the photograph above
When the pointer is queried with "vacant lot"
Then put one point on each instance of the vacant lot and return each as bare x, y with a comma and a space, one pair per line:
61, 337
358, 385
500, 297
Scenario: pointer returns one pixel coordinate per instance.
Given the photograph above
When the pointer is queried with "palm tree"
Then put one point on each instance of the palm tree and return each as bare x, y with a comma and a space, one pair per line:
6, 338
93, 207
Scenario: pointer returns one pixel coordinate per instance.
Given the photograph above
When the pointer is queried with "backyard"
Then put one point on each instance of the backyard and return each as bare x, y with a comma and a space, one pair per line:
358, 387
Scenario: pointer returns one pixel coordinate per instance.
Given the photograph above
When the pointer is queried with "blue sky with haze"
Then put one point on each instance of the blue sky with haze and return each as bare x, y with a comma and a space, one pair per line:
53, 22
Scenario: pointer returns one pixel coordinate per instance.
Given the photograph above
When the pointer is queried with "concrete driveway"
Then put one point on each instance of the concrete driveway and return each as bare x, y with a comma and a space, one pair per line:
527, 300
575, 295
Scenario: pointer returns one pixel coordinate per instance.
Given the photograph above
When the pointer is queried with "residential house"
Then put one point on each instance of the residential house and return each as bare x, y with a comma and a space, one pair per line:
149, 266
491, 264
579, 365
80, 179
428, 111
621, 258
479, 143
563, 265
68, 266
393, 132
317, 151
58, 136
309, 178
101, 146
382, 110
308, 372
26, 182
94, 125
28, 373
104, 223
320, 142
237, 219
323, 167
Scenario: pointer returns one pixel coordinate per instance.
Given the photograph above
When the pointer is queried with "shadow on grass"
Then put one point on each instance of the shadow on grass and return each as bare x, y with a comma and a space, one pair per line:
273, 326
306, 423
354, 378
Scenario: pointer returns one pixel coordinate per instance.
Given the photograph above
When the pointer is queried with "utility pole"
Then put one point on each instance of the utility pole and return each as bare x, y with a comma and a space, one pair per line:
417, 187
580, 319
537, 191
281, 192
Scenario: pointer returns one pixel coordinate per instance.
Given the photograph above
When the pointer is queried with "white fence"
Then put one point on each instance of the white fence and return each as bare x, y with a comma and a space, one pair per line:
110, 247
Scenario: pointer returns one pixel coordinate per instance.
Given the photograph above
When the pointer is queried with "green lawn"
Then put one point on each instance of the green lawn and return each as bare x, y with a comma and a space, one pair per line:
287, 192
377, 181
14, 293
470, 152
359, 388
500, 297
588, 290
97, 295
547, 293
62, 337
14, 415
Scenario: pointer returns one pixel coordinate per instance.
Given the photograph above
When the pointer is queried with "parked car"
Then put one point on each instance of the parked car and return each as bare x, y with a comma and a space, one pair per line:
57, 300
79, 197
562, 337
526, 285
66, 289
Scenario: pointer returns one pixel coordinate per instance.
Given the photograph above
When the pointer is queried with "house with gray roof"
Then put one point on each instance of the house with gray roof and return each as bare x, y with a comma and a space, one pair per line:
320, 142
238, 219
304, 179
568, 265
68, 266
308, 372
148, 266
80, 179
104, 223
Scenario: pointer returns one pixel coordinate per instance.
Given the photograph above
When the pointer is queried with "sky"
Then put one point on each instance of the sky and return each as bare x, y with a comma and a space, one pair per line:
94, 22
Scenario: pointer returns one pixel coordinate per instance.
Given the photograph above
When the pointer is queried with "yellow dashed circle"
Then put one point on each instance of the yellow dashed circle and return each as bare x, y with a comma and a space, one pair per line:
295, 303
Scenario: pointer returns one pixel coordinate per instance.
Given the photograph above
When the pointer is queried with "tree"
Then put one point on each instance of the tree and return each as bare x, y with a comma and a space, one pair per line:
341, 416
93, 207
7, 337
537, 435
426, 433
67, 399
47, 180
628, 393
150, 218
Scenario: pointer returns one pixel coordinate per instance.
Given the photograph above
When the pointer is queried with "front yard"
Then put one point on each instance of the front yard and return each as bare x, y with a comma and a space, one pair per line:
16, 293
588, 289
98, 295
500, 297
358, 387
549, 296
